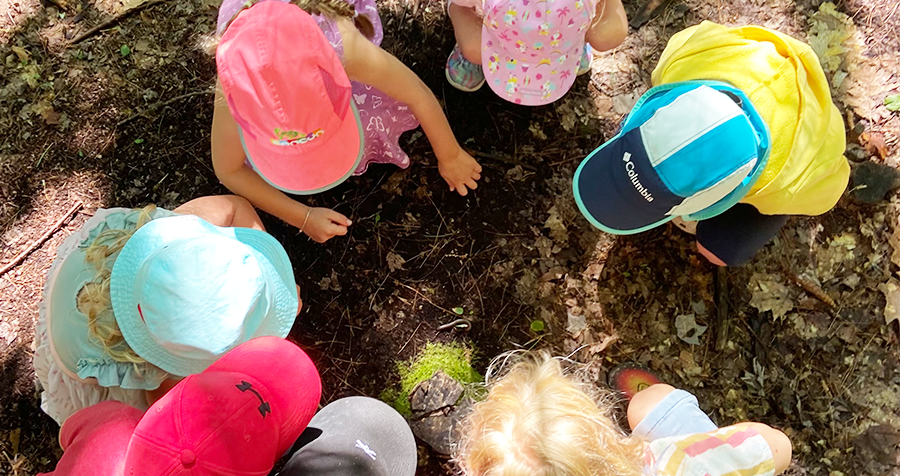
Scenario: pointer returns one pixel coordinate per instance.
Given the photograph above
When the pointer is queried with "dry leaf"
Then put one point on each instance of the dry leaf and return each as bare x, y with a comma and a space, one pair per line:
605, 341
891, 290
894, 241
769, 294
874, 143
15, 437
22, 53
688, 330
395, 261
576, 325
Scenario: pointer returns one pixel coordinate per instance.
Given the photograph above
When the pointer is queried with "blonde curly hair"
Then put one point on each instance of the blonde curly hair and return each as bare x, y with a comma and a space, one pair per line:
537, 421
93, 299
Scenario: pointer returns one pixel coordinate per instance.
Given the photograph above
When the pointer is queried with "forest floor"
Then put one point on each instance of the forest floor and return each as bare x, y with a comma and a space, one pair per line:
122, 118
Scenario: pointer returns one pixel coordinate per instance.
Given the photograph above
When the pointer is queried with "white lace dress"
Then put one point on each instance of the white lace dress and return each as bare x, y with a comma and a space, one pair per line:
94, 378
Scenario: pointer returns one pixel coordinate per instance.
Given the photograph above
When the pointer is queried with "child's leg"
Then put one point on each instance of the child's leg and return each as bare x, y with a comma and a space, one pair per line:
661, 411
223, 210
467, 28
735, 236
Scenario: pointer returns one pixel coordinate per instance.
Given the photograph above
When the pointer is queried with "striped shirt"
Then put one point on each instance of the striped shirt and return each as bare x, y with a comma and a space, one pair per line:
730, 451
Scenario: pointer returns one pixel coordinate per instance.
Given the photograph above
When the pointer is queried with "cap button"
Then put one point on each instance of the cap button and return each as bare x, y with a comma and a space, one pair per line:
188, 458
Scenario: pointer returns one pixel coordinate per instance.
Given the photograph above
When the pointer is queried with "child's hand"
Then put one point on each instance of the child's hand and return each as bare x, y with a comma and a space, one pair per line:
323, 224
460, 171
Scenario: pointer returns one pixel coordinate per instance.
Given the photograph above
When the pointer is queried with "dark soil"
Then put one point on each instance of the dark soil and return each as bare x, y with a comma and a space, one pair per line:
513, 252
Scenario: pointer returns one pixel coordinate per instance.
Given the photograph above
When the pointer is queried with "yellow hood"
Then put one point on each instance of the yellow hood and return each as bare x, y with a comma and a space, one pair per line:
806, 172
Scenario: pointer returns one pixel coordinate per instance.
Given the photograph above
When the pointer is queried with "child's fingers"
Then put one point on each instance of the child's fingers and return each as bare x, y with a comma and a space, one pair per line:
461, 189
338, 218
472, 184
476, 176
338, 230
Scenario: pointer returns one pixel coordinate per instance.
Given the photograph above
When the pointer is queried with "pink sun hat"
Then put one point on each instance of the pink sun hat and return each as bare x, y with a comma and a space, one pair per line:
291, 97
530, 50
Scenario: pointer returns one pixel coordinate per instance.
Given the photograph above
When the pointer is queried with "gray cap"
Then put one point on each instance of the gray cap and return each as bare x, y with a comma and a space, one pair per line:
355, 436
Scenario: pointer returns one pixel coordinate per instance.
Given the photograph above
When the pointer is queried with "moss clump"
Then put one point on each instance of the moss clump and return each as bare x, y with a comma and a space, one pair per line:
454, 359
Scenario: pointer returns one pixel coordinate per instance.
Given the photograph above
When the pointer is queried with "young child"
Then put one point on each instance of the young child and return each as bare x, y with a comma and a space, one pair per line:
536, 421
138, 299
738, 133
239, 416
306, 118
529, 51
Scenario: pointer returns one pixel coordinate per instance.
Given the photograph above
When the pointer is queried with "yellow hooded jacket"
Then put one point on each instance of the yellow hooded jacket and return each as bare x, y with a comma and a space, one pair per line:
806, 172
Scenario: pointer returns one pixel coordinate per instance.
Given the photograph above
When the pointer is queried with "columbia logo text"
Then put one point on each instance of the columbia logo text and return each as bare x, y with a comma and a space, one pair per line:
635, 180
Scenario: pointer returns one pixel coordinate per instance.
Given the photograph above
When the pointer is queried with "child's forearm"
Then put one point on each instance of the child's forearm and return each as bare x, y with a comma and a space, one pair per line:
434, 123
250, 185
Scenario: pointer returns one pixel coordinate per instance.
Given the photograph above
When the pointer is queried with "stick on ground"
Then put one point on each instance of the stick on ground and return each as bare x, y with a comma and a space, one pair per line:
160, 104
723, 319
21, 256
113, 20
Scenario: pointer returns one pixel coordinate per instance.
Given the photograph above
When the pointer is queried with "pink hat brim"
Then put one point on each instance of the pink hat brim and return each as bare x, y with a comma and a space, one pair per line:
537, 75
313, 171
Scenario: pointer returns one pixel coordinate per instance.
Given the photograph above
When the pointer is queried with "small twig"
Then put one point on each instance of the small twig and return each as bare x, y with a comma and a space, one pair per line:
160, 104
113, 20
506, 159
723, 319
448, 311
12, 264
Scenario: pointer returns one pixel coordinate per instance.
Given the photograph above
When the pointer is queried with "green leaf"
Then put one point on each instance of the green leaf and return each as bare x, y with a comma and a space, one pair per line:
537, 325
125, 50
458, 311
377, 218
139, 141
892, 102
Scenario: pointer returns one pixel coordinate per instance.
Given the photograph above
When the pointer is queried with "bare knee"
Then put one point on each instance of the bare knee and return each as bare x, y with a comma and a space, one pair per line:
467, 29
644, 401
778, 442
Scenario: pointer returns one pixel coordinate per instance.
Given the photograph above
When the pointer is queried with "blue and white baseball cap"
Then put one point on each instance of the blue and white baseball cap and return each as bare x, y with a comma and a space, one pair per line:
690, 149
184, 292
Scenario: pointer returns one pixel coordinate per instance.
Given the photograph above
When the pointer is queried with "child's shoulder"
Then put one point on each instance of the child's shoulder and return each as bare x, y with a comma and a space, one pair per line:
737, 449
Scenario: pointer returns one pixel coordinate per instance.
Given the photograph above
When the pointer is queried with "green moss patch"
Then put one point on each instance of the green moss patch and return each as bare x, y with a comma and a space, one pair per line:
454, 359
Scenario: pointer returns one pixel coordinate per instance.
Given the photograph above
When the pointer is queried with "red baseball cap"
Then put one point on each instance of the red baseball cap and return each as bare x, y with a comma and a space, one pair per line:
238, 417
291, 97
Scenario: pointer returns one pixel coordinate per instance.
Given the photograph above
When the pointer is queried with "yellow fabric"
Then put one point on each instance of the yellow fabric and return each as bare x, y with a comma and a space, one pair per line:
806, 172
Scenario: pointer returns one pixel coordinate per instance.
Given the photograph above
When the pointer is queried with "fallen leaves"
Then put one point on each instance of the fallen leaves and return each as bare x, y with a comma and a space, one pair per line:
688, 330
769, 294
829, 31
891, 290
395, 261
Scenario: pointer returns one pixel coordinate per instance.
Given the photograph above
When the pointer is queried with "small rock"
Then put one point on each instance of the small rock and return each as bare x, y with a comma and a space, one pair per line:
438, 392
440, 431
436, 414
871, 181
856, 153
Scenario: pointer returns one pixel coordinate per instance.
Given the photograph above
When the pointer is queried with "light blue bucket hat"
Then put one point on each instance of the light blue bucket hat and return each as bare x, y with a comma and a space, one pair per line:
184, 292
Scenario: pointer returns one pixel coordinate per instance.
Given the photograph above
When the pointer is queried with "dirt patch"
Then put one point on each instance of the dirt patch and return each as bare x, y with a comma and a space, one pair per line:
514, 253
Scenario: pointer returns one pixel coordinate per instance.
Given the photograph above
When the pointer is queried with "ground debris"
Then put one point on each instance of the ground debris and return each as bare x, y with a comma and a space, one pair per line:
891, 290
770, 294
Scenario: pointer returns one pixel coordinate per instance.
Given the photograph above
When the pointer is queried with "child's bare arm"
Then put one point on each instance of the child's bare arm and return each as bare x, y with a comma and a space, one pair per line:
223, 210
369, 64
320, 224
611, 26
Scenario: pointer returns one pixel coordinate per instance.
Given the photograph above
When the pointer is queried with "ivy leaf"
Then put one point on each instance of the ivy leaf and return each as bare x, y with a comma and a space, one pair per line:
892, 102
